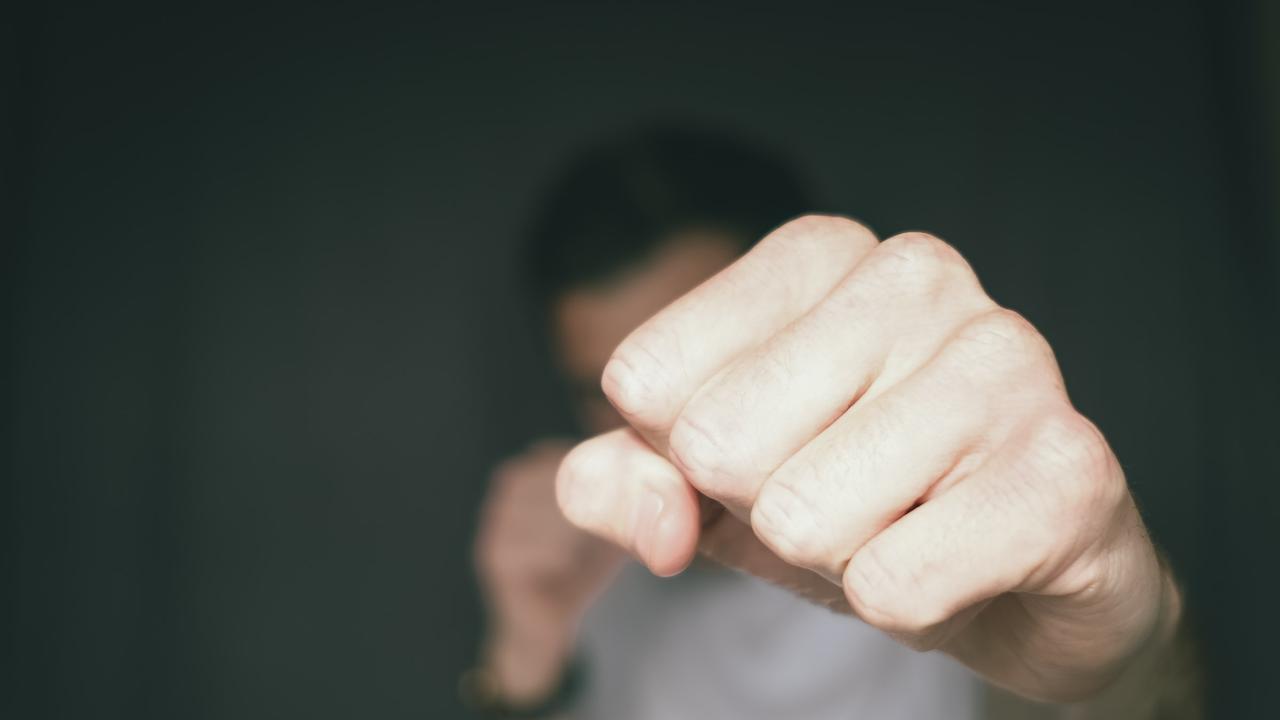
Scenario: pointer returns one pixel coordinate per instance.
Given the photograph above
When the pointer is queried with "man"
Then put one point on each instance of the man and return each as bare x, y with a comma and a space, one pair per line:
853, 420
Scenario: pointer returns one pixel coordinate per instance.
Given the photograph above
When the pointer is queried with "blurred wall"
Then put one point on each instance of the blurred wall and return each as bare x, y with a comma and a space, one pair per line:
266, 336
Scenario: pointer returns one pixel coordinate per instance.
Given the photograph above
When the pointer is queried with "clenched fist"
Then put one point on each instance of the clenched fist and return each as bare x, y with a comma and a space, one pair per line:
859, 421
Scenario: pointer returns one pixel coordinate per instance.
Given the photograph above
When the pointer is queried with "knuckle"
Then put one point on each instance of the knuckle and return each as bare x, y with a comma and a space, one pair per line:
792, 525
1074, 457
839, 240
637, 379
805, 226
821, 227
1001, 328
698, 446
923, 273
919, 255
1065, 440
888, 596
1003, 338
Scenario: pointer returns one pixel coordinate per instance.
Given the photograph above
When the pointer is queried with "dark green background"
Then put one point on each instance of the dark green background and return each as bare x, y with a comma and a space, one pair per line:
266, 338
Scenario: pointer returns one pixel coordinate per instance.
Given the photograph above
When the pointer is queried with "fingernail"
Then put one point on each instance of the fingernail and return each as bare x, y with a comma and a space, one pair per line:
648, 515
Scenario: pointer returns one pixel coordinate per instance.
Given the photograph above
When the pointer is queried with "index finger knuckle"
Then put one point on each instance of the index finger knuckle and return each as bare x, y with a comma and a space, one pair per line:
639, 378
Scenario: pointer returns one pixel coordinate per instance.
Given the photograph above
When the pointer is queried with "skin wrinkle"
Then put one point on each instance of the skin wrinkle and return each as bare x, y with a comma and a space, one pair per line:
693, 448
807, 543
986, 512
896, 355
874, 594
972, 520
773, 361
1022, 494
646, 376
841, 455
744, 402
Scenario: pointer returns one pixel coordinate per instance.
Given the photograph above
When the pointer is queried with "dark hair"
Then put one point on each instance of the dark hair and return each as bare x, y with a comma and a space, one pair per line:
617, 201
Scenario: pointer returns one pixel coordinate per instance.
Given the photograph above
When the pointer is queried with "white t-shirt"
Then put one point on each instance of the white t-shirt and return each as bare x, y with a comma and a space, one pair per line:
712, 643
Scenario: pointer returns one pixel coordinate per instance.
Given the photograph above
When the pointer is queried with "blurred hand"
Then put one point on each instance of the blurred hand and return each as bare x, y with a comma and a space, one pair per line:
537, 572
877, 434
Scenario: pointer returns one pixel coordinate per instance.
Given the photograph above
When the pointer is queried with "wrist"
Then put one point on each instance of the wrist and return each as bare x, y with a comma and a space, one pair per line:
1160, 678
1170, 617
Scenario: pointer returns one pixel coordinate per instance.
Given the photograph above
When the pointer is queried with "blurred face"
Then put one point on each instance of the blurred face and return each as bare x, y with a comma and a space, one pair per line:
589, 322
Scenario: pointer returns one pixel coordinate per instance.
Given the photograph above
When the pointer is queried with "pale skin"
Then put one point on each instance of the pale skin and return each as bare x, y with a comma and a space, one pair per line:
858, 421
538, 573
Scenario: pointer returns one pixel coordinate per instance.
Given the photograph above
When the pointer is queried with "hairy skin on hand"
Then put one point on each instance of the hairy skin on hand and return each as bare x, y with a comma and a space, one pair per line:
881, 437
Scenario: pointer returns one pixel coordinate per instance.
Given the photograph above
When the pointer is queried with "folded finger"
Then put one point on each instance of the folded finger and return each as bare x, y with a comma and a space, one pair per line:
886, 318
654, 372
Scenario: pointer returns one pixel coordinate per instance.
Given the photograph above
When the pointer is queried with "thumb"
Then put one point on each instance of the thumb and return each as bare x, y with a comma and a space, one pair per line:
615, 486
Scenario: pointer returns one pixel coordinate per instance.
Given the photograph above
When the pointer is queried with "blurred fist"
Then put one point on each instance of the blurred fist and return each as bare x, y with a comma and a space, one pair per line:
538, 573
879, 435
